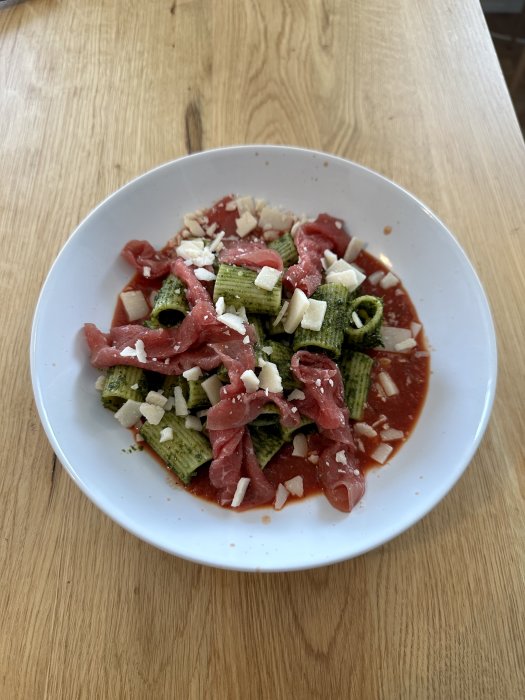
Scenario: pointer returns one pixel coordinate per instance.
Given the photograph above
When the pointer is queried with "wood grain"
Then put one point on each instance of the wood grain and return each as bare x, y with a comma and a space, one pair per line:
94, 94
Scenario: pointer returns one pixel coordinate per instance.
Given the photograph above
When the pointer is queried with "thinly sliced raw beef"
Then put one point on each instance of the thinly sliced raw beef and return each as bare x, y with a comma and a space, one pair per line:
237, 411
141, 254
225, 469
233, 457
187, 343
311, 240
252, 254
341, 481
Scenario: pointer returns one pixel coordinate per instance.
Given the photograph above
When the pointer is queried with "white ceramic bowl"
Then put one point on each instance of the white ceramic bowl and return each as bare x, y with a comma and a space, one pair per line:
134, 490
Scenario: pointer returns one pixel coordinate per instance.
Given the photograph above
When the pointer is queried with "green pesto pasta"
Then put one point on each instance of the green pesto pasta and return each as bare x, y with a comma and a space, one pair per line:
267, 442
356, 369
281, 355
330, 337
118, 387
197, 397
237, 286
285, 246
270, 415
170, 305
288, 433
369, 309
188, 450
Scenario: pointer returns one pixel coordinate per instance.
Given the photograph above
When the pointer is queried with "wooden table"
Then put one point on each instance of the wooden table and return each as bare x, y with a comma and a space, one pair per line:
94, 93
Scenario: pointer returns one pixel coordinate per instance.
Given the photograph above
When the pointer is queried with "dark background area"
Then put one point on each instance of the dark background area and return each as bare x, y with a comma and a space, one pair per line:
508, 34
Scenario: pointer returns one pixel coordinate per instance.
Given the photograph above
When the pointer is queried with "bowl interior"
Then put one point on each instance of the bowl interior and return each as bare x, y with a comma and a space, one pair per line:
133, 490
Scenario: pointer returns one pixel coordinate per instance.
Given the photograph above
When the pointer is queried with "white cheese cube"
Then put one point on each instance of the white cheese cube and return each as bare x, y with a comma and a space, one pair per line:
281, 496
192, 374
353, 249
166, 434
250, 381
382, 452
135, 305
240, 491
128, 414
220, 306
296, 310
407, 344
193, 225
295, 486
329, 257
214, 245
388, 281
296, 395
314, 315
193, 423
212, 386
245, 204
270, 379
100, 383
281, 313
153, 414
351, 278
300, 446
340, 457
181, 407
156, 399
267, 278
271, 218
204, 275
232, 321
245, 224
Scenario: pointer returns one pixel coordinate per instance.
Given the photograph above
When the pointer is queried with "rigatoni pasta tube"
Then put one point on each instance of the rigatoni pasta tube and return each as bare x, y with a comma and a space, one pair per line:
356, 369
237, 286
118, 387
369, 311
285, 246
170, 305
185, 453
330, 337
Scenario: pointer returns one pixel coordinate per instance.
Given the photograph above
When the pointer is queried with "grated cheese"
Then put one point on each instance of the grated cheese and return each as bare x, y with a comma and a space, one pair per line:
270, 379
300, 446
193, 423
296, 310
267, 278
295, 486
281, 496
156, 399
353, 249
205, 275
250, 381
314, 315
382, 453
388, 281
181, 407
232, 321
135, 304
296, 395
245, 224
166, 434
387, 383
192, 374
240, 491
128, 414
153, 414
281, 313
212, 386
